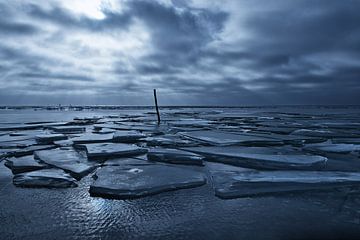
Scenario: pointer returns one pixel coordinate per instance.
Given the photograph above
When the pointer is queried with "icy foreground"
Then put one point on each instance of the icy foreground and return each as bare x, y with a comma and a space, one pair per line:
243, 184
51, 178
128, 155
131, 182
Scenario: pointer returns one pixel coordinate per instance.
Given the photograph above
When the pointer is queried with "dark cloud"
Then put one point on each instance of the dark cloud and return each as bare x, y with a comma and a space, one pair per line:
11, 28
49, 75
235, 53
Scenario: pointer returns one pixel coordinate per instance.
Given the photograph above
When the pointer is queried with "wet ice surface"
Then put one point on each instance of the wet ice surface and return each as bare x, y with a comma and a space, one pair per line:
174, 156
131, 182
303, 136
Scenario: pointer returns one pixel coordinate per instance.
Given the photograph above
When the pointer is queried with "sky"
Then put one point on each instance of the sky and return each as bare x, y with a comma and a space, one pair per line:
194, 52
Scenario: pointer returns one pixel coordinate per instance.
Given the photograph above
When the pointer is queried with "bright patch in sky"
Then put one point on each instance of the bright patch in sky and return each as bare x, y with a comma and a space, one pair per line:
89, 8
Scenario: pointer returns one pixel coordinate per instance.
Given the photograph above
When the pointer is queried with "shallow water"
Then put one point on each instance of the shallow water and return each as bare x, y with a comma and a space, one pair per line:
184, 214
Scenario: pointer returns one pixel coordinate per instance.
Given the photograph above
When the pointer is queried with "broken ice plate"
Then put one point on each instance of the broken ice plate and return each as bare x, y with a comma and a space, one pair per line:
260, 157
105, 151
175, 156
23, 164
47, 178
243, 184
137, 181
68, 160
220, 138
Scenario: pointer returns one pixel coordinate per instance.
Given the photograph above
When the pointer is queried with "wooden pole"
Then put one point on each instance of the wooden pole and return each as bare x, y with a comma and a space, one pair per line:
157, 108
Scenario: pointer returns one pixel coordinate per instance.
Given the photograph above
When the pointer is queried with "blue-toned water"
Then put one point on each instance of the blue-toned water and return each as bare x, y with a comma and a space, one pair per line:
184, 214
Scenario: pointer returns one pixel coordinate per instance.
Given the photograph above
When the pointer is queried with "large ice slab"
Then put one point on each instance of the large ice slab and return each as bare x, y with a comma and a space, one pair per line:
92, 138
169, 140
48, 178
18, 144
49, 138
333, 148
322, 133
127, 136
259, 158
175, 156
189, 122
131, 182
243, 184
68, 160
127, 162
23, 164
68, 129
105, 151
23, 151
224, 138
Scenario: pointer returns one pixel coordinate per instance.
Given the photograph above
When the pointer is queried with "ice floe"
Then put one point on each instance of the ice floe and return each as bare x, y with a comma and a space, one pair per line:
23, 164
49, 138
138, 181
68, 160
260, 158
174, 156
243, 184
92, 138
224, 138
68, 129
103, 151
127, 136
45, 178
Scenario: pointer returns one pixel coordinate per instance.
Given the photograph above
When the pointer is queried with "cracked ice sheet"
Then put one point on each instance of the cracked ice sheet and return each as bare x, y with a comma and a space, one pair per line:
127, 162
174, 156
49, 138
105, 151
127, 136
333, 148
249, 183
224, 138
68, 129
11, 152
68, 160
131, 182
92, 138
23, 164
260, 157
47, 178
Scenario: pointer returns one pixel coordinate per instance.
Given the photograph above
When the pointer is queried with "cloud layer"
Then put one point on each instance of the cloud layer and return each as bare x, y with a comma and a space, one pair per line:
200, 52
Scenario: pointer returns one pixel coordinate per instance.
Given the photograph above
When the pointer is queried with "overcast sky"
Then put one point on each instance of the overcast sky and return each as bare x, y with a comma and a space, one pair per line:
195, 52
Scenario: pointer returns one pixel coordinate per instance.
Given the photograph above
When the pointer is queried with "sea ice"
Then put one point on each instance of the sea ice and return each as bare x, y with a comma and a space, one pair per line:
23, 151
23, 164
92, 138
224, 138
127, 161
48, 178
68, 129
333, 148
260, 158
127, 136
243, 184
68, 160
175, 156
138, 181
105, 151
49, 138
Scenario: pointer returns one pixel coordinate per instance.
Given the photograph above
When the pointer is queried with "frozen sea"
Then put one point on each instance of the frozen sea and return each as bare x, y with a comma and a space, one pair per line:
194, 213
